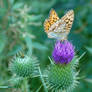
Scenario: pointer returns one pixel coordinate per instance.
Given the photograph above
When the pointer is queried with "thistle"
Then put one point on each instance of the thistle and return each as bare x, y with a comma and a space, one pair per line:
63, 52
61, 75
24, 66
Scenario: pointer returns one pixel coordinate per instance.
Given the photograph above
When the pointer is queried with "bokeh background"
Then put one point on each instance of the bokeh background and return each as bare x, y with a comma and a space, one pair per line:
21, 29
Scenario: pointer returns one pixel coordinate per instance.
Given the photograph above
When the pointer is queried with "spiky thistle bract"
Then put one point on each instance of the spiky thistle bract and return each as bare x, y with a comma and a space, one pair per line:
60, 77
24, 66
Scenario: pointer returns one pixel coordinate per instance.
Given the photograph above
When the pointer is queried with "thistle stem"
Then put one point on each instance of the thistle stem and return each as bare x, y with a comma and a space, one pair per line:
45, 88
25, 86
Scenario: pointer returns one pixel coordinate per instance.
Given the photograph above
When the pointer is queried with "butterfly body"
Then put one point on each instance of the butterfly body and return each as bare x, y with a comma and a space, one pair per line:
59, 28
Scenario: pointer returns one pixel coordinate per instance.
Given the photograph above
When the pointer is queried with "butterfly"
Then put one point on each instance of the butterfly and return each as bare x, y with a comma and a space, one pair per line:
59, 28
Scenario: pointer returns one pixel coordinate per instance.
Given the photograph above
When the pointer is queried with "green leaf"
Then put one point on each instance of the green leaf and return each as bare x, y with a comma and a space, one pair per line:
39, 46
88, 80
17, 5
34, 18
42, 79
6, 4
3, 87
2, 11
29, 44
11, 2
2, 41
89, 49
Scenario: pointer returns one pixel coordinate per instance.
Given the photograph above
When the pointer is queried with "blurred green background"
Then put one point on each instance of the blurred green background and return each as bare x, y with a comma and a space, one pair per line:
21, 28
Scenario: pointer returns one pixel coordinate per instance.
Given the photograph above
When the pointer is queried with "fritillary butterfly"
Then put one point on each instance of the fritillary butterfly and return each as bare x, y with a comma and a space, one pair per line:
59, 28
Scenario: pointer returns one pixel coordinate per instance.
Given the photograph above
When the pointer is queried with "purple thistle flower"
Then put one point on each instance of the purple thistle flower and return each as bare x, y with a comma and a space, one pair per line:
63, 52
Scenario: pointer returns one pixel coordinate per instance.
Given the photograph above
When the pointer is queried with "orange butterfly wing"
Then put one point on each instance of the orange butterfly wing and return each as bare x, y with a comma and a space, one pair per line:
68, 19
53, 17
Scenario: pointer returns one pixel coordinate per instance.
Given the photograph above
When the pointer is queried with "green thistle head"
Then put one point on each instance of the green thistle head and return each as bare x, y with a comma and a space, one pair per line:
61, 77
24, 66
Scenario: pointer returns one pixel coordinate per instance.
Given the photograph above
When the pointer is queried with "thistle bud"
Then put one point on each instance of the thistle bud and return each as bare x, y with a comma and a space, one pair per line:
61, 77
24, 66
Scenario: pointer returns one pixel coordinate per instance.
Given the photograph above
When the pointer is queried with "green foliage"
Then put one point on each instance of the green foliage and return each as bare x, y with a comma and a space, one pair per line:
21, 28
